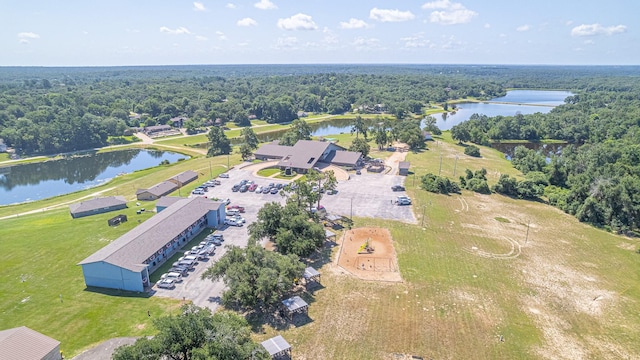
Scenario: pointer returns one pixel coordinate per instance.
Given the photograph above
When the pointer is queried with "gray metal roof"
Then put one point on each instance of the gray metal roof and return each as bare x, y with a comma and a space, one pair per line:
310, 273
304, 154
22, 343
130, 250
343, 157
329, 233
276, 345
97, 203
160, 189
167, 201
273, 150
294, 303
404, 164
185, 177
157, 128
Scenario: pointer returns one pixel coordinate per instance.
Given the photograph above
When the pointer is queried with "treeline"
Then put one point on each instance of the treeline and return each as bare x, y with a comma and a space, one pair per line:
80, 109
597, 177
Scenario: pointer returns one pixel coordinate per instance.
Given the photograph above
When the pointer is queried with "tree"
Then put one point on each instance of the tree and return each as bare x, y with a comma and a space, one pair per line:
361, 146
381, 136
359, 127
250, 137
472, 150
196, 334
430, 125
299, 130
218, 142
254, 276
245, 152
459, 132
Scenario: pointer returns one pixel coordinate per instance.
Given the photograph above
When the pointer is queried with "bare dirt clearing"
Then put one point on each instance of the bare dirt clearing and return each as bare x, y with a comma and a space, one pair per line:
379, 264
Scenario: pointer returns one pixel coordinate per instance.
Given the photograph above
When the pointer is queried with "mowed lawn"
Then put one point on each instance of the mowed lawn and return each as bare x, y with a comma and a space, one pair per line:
487, 277
39, 253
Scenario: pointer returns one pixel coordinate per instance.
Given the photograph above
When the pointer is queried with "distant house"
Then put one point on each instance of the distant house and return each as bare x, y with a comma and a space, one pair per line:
126, 262
184, 178
97, 206
156, 191
427, 135
305, 155
302, 114
149, 130
252, 117
403, 168
22, 343
3, 146
178, 121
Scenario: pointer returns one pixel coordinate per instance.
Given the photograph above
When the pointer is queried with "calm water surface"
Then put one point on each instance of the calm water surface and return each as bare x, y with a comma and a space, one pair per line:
38, 181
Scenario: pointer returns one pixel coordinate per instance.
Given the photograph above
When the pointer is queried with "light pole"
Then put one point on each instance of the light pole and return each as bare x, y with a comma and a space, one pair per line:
440, 169
455, 164
424, 207
227, 162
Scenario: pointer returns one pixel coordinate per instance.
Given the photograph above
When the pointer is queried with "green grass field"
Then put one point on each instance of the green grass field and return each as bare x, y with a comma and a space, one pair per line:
268, 172
475, 268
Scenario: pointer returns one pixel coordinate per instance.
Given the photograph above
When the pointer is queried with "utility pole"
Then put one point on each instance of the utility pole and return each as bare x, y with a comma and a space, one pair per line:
210, 172
526, 239
351, 217
227, 162
440, 169
455, 164
424, 207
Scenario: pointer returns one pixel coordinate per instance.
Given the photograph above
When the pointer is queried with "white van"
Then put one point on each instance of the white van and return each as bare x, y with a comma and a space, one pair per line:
175, 276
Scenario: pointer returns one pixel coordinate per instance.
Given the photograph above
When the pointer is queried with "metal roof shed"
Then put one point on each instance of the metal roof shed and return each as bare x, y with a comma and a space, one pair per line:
311, 274
277, 346
295, 305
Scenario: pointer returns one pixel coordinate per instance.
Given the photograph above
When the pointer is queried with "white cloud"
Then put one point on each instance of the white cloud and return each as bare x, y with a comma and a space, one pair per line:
247, 22
198, 6
589, 42
201, 38
288, 42
389, 15
450, 13
177, 31
415, 41
523, 28
221, 35
265, 5
329, 38
230, 6
28, 35
569, 22
354, 24
503, 35
297, 22
366, 44
487, 26
597, 29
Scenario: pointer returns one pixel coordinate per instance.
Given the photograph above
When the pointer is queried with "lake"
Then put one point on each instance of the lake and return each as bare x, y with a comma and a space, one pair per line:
36, 181
520, 101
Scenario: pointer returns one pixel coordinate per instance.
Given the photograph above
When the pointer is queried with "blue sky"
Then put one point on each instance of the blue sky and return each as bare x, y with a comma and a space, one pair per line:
169, 32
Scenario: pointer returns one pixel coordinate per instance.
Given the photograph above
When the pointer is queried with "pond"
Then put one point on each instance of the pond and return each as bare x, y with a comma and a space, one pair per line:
516, 101
36, 181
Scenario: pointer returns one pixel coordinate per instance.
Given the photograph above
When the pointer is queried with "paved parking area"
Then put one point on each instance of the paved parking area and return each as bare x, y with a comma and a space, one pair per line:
366, 195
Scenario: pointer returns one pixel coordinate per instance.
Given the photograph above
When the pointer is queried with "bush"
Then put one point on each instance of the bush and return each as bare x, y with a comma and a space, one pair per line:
472, 150
438, 184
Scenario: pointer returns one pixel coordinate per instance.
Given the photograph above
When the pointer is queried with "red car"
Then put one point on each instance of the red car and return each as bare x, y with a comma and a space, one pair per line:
253, 187
237, 207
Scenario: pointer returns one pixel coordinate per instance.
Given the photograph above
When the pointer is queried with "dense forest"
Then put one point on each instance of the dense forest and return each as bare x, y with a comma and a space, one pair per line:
596, 177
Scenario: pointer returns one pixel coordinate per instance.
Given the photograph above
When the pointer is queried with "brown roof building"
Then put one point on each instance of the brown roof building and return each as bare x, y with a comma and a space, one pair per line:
184, 178
22, 343
156, 191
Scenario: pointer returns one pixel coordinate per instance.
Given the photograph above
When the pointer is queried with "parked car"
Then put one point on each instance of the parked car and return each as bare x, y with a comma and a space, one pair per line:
397, 188
233, 212
227, 201
332, 192
236, 207
274, 190
266, 190
253, 187
216, 182
239, 219
232, 222
175, 276
243, 182
358, 172
236, 187
180, 269
403, 200
316, 209
166, 284
224, 175
259, 189
279, 186
244, 188
217, 242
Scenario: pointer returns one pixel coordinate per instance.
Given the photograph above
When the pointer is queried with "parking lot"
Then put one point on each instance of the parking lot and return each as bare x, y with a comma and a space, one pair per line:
366, 195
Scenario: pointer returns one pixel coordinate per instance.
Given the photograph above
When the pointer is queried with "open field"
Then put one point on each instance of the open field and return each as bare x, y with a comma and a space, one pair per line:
483, 277
477, 286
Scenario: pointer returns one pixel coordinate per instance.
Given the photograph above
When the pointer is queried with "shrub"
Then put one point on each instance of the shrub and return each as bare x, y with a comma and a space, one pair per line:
472, 150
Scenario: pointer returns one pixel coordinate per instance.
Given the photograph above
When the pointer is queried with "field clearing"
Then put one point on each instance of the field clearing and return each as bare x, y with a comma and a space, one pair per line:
477, 286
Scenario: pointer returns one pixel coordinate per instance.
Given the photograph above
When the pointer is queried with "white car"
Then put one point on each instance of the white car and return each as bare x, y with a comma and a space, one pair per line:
232, 222
224, 175
175, 276
240, 219
166, 284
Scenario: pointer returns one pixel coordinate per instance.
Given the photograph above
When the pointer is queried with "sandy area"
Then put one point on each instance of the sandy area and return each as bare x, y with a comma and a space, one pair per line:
380, 264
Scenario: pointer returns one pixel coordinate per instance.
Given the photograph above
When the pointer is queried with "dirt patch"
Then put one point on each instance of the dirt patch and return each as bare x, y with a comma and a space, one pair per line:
368, 253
